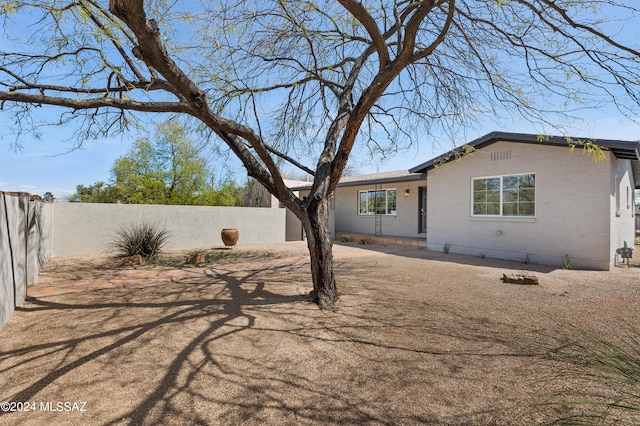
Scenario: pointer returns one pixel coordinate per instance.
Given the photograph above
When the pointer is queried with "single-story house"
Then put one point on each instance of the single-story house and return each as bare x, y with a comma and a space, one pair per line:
389, 203
533, 198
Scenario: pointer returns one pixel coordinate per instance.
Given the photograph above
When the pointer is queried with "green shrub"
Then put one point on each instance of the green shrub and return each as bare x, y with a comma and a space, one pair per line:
446, 248
142, 239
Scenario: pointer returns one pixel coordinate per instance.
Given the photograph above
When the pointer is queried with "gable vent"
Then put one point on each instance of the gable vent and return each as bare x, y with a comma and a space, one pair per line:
502, 155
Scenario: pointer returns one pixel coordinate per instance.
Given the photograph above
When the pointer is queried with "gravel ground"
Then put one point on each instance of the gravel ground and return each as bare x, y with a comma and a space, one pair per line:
417, 338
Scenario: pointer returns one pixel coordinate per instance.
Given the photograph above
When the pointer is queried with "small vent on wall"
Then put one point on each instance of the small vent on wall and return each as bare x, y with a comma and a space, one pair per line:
502, 155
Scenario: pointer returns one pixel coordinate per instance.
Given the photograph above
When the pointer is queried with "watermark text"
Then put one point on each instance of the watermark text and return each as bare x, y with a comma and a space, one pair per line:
51, 406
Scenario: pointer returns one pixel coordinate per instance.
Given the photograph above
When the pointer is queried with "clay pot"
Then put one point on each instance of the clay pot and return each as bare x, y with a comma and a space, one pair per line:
230, 236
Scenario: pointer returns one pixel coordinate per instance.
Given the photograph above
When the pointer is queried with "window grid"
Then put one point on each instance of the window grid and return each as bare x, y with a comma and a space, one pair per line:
381, 201
504, 196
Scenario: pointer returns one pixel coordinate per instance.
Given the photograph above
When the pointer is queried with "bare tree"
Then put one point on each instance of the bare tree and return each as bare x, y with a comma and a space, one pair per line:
281, 82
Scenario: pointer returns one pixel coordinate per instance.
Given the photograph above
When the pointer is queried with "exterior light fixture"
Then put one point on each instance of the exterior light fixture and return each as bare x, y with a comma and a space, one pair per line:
407, 193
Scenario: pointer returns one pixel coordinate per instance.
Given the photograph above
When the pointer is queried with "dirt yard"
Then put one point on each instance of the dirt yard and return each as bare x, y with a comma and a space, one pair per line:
417, 338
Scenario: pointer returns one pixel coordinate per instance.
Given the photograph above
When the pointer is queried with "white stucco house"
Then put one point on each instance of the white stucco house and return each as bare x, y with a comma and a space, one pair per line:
389, 203
506, 195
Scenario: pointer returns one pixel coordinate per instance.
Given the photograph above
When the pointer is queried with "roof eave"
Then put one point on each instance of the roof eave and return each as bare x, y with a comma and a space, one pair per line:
407, 178
621, 149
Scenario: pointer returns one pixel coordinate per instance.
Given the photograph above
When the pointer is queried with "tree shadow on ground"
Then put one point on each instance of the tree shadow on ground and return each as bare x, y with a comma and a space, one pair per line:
224, 305
461, 259
244, 348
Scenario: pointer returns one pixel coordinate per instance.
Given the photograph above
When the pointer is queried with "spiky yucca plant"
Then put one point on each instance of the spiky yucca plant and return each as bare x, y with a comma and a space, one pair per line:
144, 239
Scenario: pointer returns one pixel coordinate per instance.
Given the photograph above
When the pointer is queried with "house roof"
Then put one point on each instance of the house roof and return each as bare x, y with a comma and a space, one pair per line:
295, 184
376, 178
383, 177
621, 149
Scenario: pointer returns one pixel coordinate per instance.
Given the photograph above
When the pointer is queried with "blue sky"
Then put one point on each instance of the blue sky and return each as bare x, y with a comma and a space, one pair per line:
43, 164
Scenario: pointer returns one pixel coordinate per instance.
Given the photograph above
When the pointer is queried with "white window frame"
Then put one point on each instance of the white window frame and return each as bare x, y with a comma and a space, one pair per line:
501, 190
386, 202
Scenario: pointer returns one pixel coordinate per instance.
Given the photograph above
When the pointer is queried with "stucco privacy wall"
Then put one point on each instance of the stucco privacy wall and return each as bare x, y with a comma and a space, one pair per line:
88, 228
25, 246
403, 224
573, 199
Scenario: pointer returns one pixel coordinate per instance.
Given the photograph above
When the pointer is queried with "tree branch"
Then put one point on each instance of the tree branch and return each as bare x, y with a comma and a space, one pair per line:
599, 35
102, 102
423, 53
96, 20
360, 13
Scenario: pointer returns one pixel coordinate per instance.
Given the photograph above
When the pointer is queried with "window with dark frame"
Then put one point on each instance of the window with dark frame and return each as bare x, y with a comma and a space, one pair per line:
381, 201
508, 195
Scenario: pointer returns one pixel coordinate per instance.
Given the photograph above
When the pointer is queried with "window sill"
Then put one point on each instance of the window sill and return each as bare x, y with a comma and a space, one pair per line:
510, 219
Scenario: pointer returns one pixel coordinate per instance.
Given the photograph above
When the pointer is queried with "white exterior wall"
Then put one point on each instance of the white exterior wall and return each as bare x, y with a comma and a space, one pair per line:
403, 224
80, 228
622, 220
573, 199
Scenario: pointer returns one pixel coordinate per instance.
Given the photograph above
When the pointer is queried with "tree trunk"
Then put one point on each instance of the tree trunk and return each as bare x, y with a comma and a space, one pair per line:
319, 241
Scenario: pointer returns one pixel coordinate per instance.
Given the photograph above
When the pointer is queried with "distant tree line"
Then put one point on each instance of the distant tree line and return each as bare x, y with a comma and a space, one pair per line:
168, 169
48, 196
